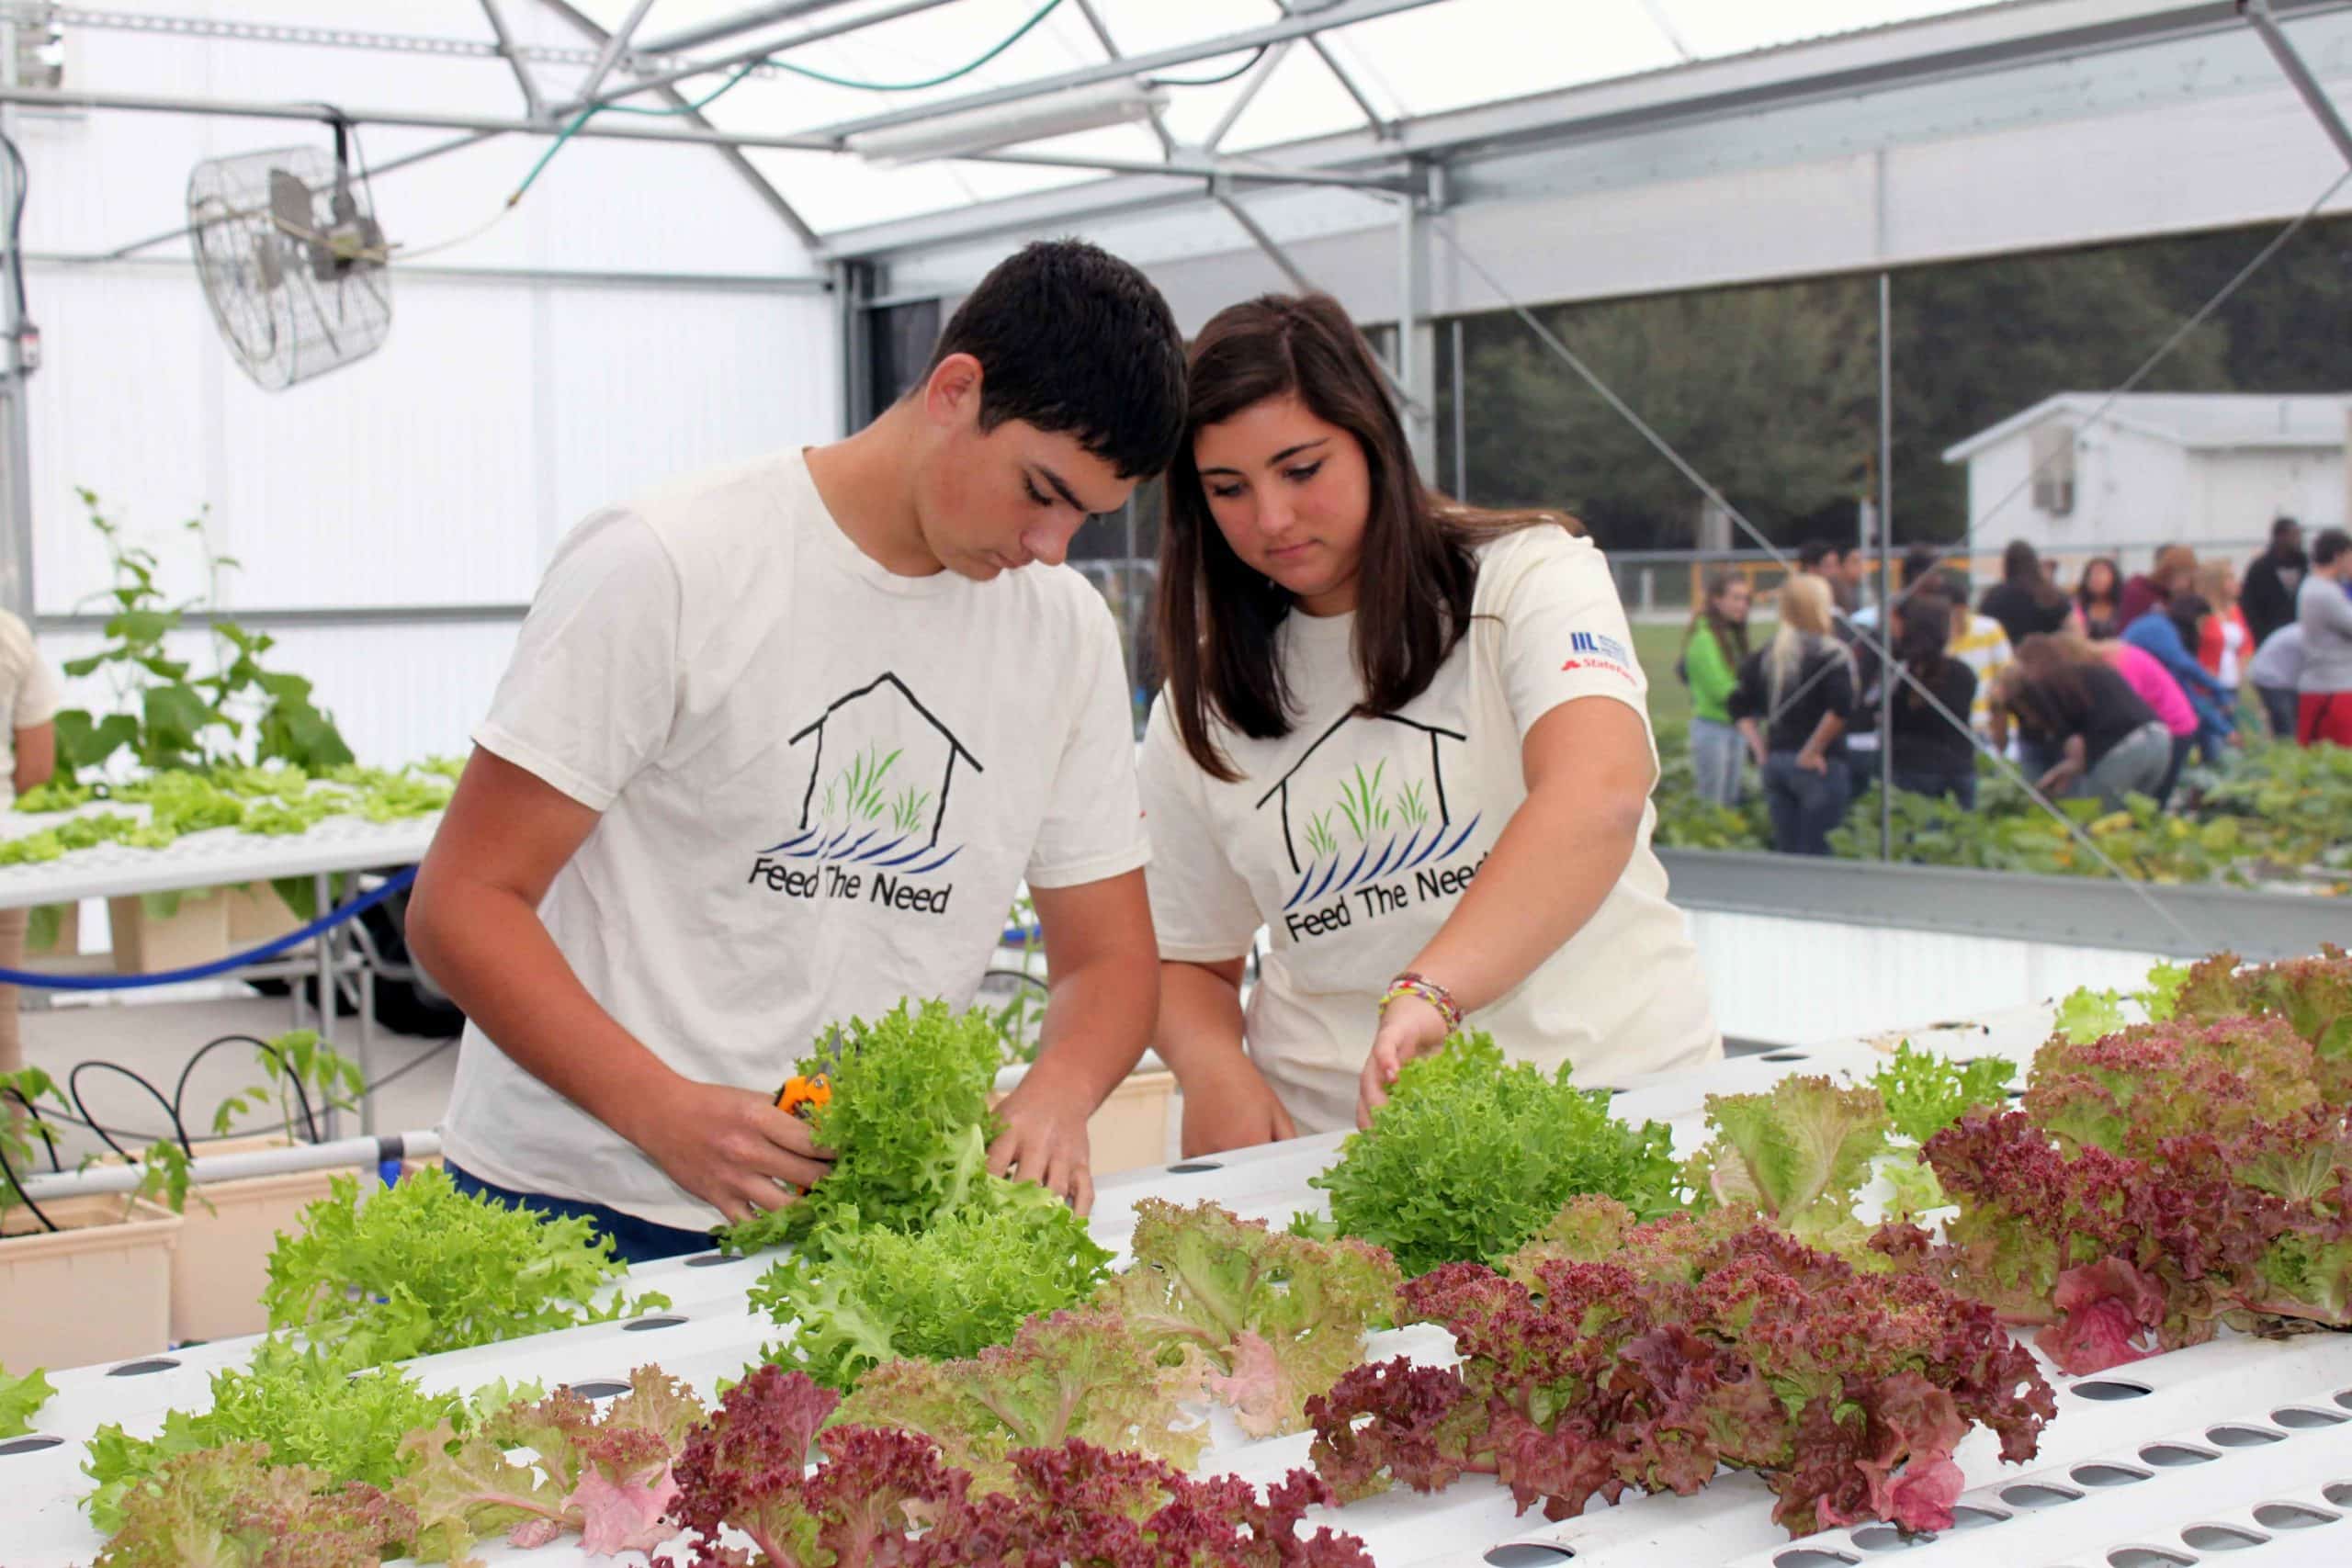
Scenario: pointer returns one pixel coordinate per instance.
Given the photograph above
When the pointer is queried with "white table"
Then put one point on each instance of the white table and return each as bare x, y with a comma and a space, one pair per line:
224, 857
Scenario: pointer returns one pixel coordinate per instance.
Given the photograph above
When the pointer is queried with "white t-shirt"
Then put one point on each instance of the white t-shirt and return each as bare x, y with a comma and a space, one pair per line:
1352, 839
822, 786
28, 694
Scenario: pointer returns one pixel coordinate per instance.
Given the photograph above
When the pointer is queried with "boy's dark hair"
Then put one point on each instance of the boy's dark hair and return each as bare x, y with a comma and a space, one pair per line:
1074, 340
2330, 544
1812, 552
2282, 526
1923, 561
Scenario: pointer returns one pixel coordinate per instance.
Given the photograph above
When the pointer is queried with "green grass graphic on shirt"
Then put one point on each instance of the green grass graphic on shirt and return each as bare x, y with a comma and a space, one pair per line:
857, 789
905, 812
1411, 809
1361, 804
1319, 839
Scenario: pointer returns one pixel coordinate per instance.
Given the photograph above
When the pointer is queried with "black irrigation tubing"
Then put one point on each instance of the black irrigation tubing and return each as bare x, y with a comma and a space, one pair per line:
85, 1121
73, 1092
8, 1168
301, 1095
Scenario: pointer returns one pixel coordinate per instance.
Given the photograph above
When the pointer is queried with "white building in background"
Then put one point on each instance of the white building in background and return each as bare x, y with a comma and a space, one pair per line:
2156, 467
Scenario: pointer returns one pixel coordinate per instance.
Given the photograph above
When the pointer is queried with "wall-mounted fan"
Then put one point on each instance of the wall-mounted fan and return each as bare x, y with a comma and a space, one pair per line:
292, 259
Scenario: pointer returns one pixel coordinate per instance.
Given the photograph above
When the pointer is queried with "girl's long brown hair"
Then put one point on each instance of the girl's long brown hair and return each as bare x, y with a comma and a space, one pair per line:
1730, 635
1414, 585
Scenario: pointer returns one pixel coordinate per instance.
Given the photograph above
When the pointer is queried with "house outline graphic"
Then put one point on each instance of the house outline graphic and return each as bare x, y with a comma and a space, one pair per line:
955, 748
1437, 772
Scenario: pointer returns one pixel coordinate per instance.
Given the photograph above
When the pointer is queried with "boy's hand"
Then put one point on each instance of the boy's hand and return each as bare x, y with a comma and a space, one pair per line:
731, 1147
1044, 1141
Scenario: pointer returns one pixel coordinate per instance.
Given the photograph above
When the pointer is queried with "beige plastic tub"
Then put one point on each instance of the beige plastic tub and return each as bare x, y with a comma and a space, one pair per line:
98, 1288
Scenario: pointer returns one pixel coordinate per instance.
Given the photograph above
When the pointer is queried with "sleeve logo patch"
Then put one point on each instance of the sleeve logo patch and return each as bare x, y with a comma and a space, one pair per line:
1591, 650
1599, 646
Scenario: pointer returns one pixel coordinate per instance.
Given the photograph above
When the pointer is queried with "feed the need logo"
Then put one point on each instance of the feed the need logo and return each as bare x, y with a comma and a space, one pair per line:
873, 806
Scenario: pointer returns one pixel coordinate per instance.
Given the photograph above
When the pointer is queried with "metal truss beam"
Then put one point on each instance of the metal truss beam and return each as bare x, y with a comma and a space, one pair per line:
616, 44
1340, 73
724, 28
1260, 74
315, 37
2299, 74
1342, 14
2074, 911
1111, 47
1990, 39
534, 106
748, 172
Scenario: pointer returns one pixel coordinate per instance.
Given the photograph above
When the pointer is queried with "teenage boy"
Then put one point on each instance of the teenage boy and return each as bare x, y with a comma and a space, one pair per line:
776, 748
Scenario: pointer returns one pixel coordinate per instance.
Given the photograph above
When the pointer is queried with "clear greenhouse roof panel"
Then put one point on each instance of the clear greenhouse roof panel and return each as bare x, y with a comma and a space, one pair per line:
1422, 60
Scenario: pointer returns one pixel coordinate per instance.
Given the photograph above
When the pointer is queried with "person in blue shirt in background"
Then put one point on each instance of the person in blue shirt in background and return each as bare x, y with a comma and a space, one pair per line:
2166, 633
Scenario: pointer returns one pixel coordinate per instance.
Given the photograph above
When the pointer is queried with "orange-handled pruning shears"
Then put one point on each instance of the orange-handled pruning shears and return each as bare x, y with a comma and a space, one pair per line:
801, 1096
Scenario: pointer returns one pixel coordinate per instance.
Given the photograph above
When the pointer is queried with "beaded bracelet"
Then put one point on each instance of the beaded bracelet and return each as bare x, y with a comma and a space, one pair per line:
1428, 990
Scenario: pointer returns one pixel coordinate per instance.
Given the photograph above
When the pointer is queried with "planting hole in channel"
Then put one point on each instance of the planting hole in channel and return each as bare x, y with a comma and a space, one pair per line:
647, 1325
1887, 1537
2173, 1456
141, 1368
31, 1445
601, 1388
2108, 1474
716, 1259
2303, 1418
2339, 1492
1528, 1554
1784, 1056
2236, 1437
1810, 1557
2292, 1516
2110, 1391
2221, 1538
1193, 1166
2149, 1557
2035, 1497
1965, 1517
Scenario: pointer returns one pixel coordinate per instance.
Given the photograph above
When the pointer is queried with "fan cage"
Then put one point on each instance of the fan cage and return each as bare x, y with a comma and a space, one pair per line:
300, 289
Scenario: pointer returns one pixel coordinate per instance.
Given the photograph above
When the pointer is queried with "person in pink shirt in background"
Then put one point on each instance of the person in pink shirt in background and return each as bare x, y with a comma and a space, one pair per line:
2146, 675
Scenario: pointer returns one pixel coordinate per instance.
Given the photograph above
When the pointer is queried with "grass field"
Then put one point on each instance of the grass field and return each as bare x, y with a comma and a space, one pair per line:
1657, 644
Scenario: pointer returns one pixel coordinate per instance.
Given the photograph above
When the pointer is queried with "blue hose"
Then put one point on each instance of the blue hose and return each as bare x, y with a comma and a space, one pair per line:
319, 926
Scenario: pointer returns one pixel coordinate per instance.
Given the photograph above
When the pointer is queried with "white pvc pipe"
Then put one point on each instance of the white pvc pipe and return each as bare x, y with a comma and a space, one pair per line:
206, 1169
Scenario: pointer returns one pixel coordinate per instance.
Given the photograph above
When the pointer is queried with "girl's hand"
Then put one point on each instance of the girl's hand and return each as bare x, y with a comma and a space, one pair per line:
1410, 1028
1230, 1105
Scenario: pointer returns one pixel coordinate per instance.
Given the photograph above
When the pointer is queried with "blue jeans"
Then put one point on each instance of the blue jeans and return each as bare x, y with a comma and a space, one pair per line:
2181, 746
2280, 705
1716, 752
1806, 806
634, 1240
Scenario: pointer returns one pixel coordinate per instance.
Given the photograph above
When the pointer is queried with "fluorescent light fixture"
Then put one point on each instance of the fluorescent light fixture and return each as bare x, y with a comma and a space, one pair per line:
1063, 113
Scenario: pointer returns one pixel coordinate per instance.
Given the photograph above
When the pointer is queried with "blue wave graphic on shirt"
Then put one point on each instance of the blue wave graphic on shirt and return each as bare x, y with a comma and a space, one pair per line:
1396, 857
814, 845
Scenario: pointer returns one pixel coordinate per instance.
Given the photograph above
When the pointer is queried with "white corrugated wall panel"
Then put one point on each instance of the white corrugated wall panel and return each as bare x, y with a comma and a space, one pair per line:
405, 479
646, 384
117, 408
1797, 981
399, 693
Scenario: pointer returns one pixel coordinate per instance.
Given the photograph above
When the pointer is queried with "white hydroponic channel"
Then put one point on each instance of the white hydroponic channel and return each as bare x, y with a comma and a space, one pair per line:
2241, 1449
